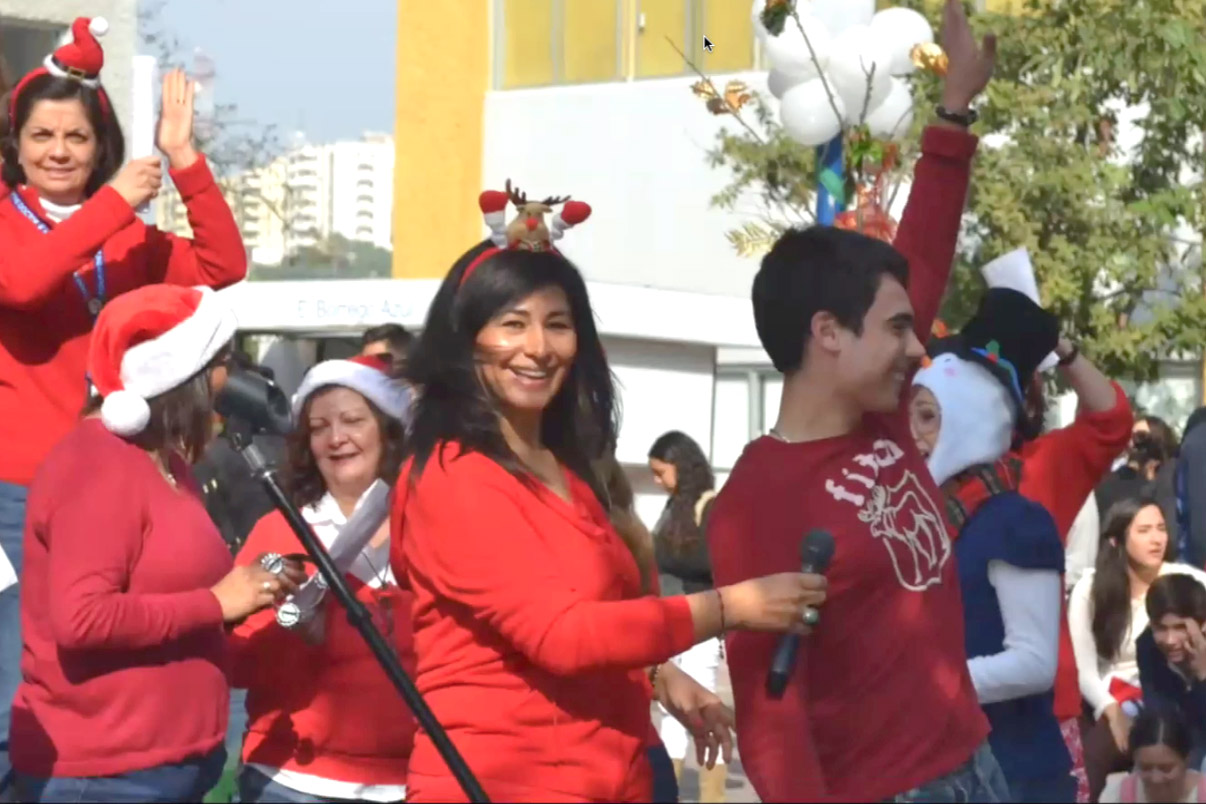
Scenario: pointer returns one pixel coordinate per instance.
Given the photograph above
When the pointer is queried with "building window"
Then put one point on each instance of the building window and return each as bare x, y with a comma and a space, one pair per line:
545, 42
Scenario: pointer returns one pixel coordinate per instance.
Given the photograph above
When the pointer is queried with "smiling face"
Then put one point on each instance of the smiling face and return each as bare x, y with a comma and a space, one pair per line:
925, 420
1162, 771
1171, 633
525, 352
57, 149
873, 366
345, 439
1147, 539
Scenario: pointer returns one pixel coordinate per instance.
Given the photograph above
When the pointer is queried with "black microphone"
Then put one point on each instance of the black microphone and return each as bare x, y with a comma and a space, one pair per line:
816, 551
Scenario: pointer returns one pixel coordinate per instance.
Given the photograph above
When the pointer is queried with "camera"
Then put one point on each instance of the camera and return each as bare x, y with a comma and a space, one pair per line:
253, 402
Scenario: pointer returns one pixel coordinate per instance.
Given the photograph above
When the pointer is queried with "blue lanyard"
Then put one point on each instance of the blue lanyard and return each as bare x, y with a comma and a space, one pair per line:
94, 303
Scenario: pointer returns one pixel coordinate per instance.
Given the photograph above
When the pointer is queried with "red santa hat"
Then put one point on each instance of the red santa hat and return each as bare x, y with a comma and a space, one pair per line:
79, 57
368, 375
149, 341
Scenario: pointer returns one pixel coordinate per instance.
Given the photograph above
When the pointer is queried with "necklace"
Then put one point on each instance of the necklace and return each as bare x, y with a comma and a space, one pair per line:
775, 434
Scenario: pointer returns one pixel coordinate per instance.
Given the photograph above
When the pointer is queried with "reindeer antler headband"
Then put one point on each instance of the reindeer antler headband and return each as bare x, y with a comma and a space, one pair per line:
527, 231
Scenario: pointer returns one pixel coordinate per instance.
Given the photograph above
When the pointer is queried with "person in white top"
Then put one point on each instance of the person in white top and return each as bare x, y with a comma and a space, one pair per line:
1160, 743
1106, 614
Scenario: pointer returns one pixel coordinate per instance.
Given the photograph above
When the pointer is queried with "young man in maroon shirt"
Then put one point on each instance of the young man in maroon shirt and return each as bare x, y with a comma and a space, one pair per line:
880, 704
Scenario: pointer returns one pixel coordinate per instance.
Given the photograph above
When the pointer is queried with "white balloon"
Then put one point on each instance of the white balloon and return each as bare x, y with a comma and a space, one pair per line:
790, 54
858, 68
807, 115
778, 83
892, 118
900, 30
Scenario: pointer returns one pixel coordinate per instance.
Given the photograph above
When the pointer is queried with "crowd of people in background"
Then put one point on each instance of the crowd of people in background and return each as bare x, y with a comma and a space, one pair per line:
1011, 613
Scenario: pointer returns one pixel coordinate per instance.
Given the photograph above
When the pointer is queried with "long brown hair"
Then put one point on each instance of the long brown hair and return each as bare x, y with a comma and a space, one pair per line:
1111, 591
302, 478
621, 509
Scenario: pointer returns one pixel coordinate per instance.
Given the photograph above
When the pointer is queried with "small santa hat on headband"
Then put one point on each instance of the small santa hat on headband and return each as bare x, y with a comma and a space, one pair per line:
149, 341
368, 375
79, 56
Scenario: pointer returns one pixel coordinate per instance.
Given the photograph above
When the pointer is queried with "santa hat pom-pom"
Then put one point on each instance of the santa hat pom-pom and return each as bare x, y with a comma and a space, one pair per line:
99, 26
574, 212
125, 414
492, 201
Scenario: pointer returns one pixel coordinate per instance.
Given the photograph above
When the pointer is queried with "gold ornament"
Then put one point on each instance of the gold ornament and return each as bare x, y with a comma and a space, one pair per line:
736, 95
930, 57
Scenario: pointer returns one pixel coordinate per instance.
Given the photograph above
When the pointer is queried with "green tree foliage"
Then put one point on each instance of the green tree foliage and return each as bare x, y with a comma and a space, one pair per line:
1092, 158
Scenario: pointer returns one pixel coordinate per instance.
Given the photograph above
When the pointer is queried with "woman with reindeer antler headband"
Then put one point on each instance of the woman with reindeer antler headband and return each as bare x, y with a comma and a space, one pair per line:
70, 243
535, 639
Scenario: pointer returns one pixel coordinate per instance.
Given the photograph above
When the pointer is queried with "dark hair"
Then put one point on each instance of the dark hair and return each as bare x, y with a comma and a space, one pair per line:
1111, 591
1195, 418
818, 269
1160, 725
182, 419
396, 336
580, 422
302, 478
110, 143
1178, 594
1160, 444
680, 530
620, 503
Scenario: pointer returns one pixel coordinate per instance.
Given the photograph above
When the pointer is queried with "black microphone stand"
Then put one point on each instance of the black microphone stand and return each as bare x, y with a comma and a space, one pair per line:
239, 436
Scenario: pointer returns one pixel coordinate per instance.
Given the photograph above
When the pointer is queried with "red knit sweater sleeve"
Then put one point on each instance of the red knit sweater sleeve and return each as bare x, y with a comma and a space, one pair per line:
32, 270
259, 641
929, 227
466, 534
216, 256
91, 605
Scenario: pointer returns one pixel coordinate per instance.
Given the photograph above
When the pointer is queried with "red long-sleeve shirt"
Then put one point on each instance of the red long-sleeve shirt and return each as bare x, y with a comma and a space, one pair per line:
881, 701
531, 637
44, 319
124, 665
1060, 470
327, 710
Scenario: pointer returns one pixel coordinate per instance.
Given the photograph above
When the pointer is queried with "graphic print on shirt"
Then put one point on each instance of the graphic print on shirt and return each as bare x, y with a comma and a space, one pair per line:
899, 512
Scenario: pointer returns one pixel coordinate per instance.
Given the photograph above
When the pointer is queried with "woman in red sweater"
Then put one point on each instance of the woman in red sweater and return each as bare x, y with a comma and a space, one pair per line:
533, 639
128, 583
324, 722
69, 244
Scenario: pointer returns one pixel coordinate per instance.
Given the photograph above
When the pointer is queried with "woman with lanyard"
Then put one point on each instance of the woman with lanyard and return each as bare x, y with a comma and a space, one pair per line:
324, 722
69, 243
536, 646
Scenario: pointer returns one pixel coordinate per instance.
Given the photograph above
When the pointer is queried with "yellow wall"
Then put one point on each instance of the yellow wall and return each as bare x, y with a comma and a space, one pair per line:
443, 71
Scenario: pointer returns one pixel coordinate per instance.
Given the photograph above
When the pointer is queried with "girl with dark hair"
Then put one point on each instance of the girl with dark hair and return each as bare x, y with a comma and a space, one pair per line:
533, 637
128, 584
1159, 750
1106, 615
324, 723
680, 467
70, 243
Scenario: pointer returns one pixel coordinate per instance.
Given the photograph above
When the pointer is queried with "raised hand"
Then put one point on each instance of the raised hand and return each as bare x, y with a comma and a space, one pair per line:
139, 180
175, 134
970, 63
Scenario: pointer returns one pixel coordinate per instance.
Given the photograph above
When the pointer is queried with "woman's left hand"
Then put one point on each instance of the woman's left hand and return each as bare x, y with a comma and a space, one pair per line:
702, 713
175, 134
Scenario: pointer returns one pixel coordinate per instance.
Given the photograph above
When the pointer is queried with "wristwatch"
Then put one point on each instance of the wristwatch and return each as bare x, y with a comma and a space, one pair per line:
965, 119
1068, 359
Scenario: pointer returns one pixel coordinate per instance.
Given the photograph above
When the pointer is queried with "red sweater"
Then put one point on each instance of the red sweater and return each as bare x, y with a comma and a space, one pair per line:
327, 710
1060, 470
531, 637
881, 701
44, 321
125, 660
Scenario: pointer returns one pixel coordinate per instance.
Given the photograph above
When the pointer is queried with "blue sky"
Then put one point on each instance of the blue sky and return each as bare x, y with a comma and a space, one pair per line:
325, 67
